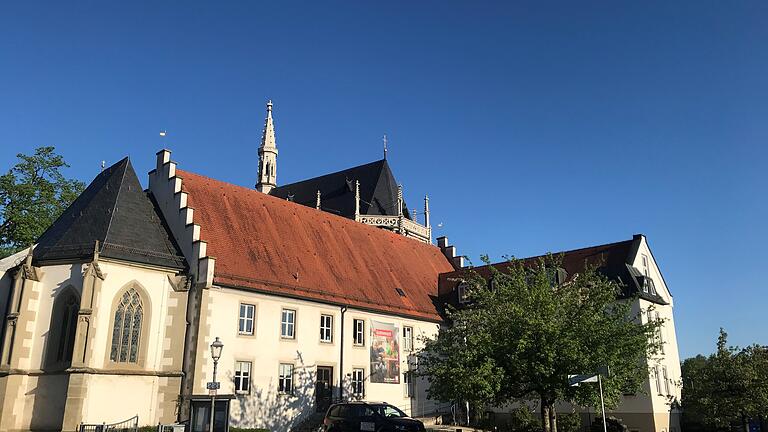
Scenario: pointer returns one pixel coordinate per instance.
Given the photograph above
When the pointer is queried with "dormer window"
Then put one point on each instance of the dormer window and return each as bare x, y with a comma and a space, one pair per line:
461, 291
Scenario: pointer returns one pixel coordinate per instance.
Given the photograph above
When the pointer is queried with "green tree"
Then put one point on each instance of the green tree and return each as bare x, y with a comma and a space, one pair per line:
728, 388
32, 195
521, 338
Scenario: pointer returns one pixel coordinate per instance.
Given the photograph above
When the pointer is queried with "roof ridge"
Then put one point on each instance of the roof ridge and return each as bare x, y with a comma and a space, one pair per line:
300, 207
557, 253
117, 198
332, 173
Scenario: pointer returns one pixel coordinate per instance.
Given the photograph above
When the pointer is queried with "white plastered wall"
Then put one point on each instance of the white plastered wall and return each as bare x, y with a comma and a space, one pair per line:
263, 406
113, 398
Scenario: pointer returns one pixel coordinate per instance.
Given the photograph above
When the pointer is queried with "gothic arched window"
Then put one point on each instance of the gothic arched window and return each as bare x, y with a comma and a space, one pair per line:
63, 327
126, 329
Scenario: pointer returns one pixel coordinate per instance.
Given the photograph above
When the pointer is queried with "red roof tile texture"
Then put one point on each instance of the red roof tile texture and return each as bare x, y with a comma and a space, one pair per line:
275, 246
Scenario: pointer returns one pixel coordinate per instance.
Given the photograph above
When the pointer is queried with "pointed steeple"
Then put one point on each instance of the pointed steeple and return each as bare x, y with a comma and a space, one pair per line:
267, 155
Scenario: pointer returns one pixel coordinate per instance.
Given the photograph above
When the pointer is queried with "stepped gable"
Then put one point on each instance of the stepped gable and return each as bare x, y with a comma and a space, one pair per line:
378, 191
613, 260
275, 246
115, 211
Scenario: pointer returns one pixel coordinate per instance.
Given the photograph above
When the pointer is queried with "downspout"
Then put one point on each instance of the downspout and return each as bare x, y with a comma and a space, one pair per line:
341, 355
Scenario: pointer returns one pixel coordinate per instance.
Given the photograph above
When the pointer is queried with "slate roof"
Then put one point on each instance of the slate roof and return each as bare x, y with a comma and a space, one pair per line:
114, 210
378, 191
612, 260
271, 245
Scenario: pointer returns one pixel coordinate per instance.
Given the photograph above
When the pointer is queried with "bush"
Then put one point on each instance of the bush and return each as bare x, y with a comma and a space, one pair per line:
612, 423
235, 429
570, 422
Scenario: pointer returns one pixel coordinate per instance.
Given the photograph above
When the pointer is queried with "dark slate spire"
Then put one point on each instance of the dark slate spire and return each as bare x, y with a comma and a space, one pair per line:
115, 210
378, 191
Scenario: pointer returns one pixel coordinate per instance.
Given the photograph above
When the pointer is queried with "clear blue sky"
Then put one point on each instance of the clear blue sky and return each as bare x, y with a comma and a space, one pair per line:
534, 127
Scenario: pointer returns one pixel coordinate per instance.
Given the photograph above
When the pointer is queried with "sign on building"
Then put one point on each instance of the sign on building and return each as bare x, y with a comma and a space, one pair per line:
385, 353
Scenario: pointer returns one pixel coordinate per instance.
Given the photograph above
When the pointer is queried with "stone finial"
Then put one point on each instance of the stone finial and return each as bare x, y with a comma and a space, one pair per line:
96, 251
426, 211
317, 201
399, 200
385, 146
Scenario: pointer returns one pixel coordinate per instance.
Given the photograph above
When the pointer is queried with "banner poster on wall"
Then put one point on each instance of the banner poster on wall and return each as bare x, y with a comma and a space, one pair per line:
385, 353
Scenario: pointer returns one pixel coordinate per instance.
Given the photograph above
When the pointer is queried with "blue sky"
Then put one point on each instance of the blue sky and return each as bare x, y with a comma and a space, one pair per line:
533, 126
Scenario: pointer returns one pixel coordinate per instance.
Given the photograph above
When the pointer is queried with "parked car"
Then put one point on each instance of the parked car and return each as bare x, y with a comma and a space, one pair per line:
368, 417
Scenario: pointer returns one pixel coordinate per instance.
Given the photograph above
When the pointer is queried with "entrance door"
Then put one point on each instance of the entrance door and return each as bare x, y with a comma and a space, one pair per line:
323, 388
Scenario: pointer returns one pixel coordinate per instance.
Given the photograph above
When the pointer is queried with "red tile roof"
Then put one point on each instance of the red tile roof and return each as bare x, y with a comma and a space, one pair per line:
276, 246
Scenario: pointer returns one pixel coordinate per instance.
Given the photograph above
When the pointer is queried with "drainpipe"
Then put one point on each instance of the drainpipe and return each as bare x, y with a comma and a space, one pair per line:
341, 355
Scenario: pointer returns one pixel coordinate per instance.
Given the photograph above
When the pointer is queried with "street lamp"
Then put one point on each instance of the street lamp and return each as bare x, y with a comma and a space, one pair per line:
216, 347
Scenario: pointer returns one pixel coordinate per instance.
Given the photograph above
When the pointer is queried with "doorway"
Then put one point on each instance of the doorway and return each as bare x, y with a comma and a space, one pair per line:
323, 388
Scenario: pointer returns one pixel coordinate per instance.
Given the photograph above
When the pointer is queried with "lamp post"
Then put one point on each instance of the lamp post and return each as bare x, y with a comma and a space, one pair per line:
216, 347
575, 380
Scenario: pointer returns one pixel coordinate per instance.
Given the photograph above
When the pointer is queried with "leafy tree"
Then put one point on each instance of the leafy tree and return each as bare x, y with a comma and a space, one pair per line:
728, 388
32, 195
521, 338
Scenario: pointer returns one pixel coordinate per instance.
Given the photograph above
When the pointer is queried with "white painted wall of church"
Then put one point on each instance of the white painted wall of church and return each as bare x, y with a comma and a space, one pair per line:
266, 350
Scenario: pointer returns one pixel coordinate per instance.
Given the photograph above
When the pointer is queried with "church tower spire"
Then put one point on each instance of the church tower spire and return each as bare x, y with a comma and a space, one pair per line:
267, 155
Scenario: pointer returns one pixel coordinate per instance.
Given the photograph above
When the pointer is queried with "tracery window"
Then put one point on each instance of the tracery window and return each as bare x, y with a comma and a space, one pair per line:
67, 329
126, 330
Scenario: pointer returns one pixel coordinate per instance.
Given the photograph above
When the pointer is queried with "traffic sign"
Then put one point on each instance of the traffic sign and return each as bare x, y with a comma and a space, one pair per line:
215, 385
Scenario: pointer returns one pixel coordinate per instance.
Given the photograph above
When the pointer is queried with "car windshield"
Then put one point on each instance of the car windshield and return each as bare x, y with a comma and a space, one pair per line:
388, 410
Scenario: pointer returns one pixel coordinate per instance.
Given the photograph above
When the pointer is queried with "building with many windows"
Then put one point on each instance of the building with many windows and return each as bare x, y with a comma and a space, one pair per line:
631, 264
322, 289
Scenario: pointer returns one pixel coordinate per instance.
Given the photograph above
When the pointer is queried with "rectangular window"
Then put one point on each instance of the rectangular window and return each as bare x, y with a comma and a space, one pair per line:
658, 379
358, 332
666, 379
408, 383
358, 382
659, 335
646, 272
245, 323
288, 324
242, 377
461, 291
407, 339
285, 380
326, 328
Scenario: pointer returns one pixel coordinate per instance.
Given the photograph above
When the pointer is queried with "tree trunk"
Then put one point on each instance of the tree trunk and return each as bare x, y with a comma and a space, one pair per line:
552, 417
545, 416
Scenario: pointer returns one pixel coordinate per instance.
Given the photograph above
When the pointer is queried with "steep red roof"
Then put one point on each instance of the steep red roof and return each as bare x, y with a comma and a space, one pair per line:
276, 246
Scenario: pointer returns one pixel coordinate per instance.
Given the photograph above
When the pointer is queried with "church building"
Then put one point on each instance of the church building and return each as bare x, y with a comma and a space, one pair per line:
319, 290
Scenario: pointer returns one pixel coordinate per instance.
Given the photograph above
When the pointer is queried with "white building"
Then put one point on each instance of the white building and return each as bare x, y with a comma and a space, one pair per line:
632, 265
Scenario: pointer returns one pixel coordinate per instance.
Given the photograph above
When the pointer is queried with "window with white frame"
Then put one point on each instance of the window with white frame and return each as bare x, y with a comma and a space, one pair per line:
407, 338
285, 378
666, 379
358, 332
326, 328
658, 379
461, 291
288, 324
660, 334
644, 259
242, 377
408, 384
247, 315
358, 382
